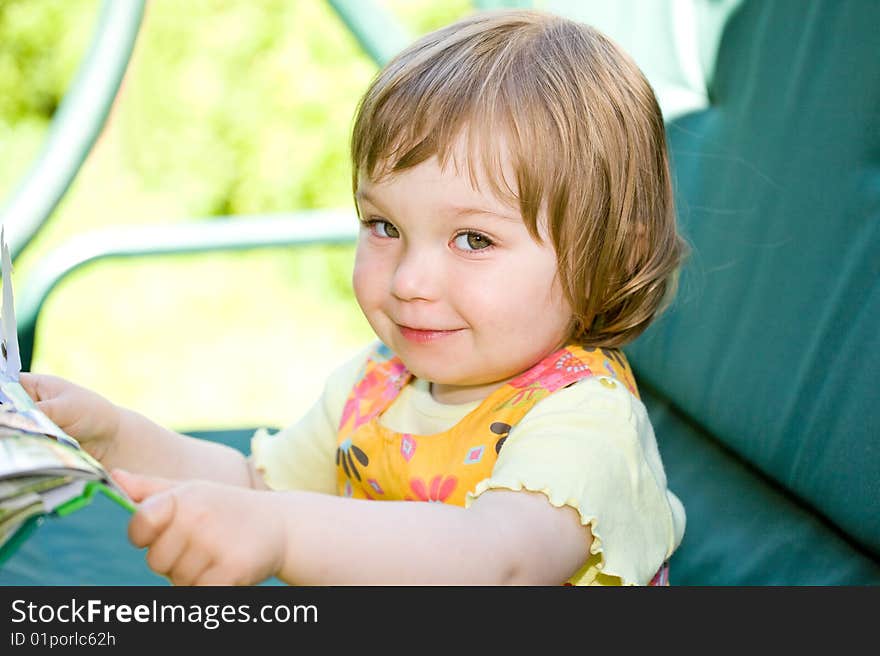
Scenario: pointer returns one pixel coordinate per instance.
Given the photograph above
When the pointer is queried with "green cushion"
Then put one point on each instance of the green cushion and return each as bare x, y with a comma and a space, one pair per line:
90, 546
772, 347
742, 529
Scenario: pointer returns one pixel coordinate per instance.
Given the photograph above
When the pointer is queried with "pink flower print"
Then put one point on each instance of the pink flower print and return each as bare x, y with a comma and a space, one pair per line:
350, 408
407, 446
474, 455
565, 370
440, 489
396, 376
528, 378
549, 375
524, 394
359, 394
527, 384
373, 391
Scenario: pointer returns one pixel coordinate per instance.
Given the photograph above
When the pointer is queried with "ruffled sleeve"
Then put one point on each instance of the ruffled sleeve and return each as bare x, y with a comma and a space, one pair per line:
592, 447
302, 456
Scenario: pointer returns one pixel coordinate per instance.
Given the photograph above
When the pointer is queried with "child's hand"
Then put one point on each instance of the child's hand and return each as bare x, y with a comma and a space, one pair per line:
84, 415
202, 533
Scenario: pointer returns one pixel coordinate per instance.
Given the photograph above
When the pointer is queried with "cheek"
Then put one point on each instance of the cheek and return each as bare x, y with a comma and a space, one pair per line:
494, 299
561, 311
531, 297
364, 277
554, 304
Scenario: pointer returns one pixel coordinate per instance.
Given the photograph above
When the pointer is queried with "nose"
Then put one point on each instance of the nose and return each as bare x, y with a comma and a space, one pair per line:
418, 275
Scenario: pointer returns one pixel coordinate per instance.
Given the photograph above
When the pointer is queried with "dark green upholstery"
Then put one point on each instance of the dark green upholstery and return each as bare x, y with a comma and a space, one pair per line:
742, 528
766, 401
90, 547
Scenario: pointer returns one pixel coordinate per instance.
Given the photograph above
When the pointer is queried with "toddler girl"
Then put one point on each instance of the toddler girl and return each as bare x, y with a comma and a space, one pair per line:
511, 179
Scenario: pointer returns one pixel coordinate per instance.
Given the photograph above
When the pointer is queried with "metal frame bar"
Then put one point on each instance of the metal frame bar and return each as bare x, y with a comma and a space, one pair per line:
76, 125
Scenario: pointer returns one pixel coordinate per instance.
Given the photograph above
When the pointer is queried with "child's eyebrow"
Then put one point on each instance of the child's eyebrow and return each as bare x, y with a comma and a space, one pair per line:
455, 211
462, 212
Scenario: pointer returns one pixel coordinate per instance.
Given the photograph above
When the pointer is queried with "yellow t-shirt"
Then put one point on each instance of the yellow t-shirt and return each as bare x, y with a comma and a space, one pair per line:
589, 446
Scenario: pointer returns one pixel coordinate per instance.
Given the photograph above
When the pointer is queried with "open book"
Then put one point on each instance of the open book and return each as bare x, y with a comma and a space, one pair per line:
42, 469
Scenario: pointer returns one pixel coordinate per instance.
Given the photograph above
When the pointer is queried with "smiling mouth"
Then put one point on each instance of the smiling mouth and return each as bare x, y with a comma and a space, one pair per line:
422, 336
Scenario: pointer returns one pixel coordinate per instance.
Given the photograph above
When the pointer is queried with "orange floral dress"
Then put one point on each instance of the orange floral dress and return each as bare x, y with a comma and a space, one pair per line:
374, 462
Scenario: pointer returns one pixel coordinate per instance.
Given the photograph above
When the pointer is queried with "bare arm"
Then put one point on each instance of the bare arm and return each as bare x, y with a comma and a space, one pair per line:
119, 437
143, 446
204, 533
504, 538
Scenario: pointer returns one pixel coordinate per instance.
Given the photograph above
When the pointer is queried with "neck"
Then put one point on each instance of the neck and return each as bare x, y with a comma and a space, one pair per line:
458, 394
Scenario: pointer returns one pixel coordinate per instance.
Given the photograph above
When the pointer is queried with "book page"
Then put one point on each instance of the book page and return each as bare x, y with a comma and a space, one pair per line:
24, 454
37, 458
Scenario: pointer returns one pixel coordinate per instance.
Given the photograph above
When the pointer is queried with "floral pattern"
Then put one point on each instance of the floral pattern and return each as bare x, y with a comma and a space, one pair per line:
370, 457
437, 492
345, 460
408, 446
502, 430
374, 462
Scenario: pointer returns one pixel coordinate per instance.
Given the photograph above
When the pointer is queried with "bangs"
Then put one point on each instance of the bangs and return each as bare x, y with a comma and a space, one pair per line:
454, 136
473, 112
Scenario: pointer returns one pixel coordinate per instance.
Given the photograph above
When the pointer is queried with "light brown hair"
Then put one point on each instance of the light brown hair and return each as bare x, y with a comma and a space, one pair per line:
583, 131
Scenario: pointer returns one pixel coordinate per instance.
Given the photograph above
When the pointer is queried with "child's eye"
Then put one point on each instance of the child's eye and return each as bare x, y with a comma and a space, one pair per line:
382, 228
472, 241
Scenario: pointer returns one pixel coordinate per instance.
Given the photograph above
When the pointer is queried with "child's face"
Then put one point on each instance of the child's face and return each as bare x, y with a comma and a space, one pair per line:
450, 279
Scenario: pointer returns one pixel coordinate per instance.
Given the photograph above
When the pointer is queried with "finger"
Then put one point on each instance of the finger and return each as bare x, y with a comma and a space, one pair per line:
30, 384
138, 486
190, 566
216, 575
166, 551
48, 399
153, 516
55, 409
41, 386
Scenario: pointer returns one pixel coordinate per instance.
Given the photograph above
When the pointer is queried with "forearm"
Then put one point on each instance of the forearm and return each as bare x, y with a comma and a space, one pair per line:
143, 446
337, 541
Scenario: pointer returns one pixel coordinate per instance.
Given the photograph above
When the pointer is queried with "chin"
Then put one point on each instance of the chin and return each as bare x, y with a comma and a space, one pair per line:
445, 374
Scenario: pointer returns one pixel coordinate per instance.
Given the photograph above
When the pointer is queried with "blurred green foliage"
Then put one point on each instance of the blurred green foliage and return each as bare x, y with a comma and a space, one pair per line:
236, 107
41, 44
229, 107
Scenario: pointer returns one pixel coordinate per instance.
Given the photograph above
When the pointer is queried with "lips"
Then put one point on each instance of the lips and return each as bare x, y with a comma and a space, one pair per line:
424, 335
